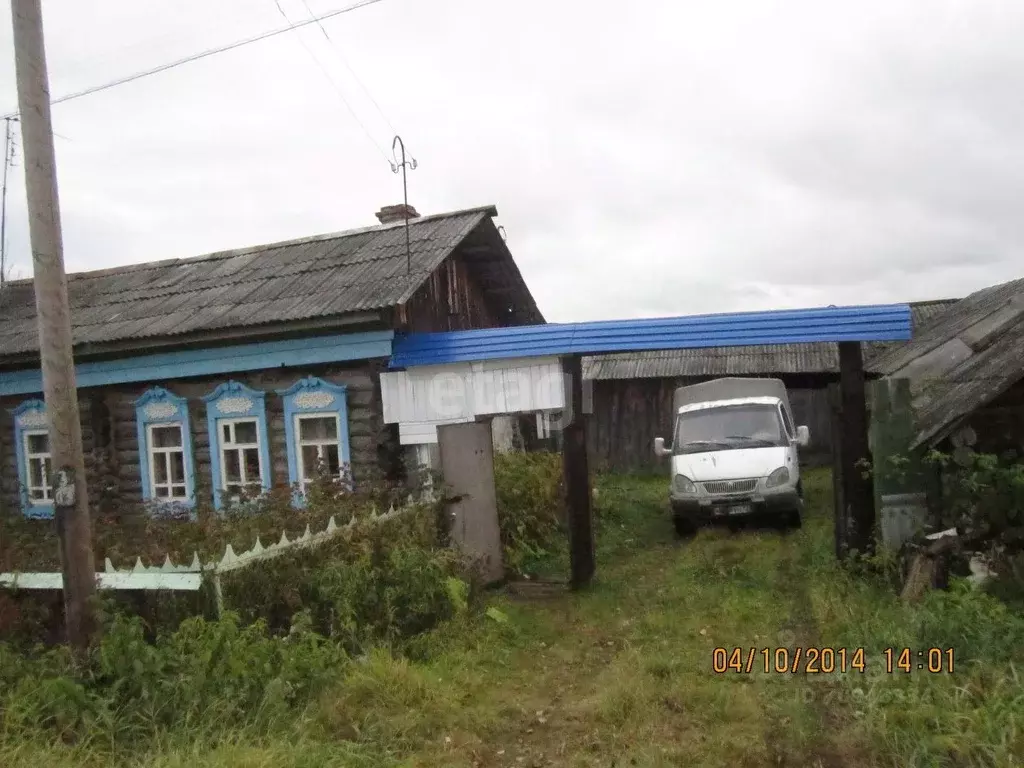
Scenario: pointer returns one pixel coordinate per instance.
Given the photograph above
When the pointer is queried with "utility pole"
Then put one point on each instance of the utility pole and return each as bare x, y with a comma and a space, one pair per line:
71, 505
8, 161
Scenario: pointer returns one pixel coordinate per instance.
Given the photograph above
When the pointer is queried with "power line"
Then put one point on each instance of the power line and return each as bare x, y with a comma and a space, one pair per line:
204, 54
341, 57
331, 80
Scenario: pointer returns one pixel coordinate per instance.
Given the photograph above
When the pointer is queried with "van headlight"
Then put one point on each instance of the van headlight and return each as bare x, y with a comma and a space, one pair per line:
683, 484
779, 477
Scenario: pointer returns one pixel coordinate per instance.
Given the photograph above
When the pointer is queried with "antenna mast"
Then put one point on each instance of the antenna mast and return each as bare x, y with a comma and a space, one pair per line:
395, 167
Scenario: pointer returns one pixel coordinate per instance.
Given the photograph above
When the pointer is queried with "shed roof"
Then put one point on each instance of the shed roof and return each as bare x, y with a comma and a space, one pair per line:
313, 277
961, 359
884, 322
815, 357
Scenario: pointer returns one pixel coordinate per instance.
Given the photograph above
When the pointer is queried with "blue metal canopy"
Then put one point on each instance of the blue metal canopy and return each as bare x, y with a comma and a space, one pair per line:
886, 322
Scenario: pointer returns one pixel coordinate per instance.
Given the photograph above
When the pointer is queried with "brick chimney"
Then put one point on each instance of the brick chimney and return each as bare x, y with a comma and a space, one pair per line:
392, 213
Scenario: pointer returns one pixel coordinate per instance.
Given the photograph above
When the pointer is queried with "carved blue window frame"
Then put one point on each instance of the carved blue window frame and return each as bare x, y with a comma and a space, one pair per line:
232, 401
158, 407
313, 396
30, 417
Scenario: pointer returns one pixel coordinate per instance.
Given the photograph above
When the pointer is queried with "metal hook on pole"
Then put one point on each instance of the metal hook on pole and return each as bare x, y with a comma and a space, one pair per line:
397, 166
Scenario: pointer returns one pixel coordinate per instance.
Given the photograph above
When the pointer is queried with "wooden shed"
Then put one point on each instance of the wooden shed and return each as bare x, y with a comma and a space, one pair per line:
632, 392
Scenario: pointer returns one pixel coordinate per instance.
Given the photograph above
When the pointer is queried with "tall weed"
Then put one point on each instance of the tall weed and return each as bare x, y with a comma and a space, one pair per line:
529, 493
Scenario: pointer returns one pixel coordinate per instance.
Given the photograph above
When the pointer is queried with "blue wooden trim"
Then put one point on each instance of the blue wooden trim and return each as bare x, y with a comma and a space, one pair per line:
339, 405
867, 323
257, 410
288, 353
40, 511
159, 395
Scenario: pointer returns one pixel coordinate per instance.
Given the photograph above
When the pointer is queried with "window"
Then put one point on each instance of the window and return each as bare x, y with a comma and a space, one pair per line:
237, 424
319, 451
788, 421
35, 465
240, 456
722, 428
37, 456
167, 462
165, 448
316, 429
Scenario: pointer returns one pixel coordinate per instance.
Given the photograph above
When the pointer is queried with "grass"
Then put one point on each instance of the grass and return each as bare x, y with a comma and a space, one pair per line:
622, 674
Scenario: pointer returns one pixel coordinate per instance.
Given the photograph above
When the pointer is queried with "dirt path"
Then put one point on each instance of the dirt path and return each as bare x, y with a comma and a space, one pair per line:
799, 632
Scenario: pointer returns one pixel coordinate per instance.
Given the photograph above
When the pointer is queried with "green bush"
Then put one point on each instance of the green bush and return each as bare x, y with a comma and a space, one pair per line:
383, 597
205, 678
979, 626
529, 491
376, 583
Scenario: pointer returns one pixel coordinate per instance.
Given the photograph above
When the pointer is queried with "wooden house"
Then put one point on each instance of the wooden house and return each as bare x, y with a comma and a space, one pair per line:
200, 378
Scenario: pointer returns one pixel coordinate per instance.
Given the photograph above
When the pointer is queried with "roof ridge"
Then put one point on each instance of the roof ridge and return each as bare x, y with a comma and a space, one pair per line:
490, 210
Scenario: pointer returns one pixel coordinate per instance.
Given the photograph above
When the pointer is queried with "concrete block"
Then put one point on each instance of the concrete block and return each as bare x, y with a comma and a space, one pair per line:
467, 464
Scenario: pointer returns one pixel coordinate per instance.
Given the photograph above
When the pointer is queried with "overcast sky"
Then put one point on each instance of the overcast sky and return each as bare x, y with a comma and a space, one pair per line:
646, 158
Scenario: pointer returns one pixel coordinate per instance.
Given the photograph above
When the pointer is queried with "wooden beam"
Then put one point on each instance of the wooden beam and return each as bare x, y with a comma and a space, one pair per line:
840, 523
577, 478
858, 497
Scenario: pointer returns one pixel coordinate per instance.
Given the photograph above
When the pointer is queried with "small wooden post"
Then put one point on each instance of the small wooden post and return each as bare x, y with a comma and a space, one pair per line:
854, 450
841, 523
577, 477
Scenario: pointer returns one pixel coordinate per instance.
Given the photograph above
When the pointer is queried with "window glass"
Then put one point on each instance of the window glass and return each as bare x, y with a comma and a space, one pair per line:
159, 468
728, 428
177, 467
232, 467
310, 459
252, 464
38, 443
330, 458
245, 432
318, 428
166, 436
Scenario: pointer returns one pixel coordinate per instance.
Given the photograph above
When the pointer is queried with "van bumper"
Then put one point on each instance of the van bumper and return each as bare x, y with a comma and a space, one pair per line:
701, 510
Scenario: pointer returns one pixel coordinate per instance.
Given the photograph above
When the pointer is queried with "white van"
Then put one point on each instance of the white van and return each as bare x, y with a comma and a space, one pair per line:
734, 453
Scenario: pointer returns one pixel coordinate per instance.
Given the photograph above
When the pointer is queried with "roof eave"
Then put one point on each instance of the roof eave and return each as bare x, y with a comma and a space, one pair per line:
238, 334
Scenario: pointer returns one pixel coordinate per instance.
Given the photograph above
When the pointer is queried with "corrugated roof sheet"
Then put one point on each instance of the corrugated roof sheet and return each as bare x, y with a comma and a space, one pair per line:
334, 274
821, 357
961, 359
869, 323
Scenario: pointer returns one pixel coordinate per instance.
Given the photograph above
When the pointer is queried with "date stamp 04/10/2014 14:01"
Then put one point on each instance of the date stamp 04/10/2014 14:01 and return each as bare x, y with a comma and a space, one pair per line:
812, 660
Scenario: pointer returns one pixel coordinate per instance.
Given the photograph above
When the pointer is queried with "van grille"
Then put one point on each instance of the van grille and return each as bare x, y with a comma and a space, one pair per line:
730, 486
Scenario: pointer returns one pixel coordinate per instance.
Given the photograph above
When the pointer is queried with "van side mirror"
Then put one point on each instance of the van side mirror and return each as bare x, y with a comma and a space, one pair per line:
803, 436
659, 447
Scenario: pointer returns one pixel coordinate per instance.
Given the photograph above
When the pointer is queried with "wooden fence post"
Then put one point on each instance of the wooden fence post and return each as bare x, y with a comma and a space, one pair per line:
858, 498
841, 523
577, 477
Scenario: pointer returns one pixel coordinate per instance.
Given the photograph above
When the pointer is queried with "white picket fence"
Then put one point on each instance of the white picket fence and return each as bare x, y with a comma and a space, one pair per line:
190, 577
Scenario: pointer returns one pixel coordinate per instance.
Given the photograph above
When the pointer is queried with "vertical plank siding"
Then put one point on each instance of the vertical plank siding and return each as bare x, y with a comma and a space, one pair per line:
630, 413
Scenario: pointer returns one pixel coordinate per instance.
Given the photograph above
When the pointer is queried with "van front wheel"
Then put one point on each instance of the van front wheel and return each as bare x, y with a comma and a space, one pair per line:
792, 520
685, 527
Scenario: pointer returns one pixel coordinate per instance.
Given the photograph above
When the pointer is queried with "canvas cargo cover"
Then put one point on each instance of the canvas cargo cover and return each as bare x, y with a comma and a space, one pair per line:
729, 388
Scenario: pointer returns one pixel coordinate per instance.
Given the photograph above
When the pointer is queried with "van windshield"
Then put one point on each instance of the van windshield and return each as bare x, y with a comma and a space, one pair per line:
727, 427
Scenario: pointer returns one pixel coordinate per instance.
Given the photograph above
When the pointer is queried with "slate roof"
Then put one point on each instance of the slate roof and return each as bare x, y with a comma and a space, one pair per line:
961, 359
815, 358
314, 277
